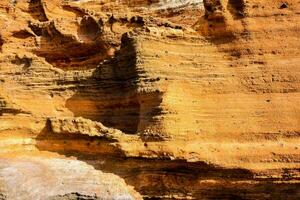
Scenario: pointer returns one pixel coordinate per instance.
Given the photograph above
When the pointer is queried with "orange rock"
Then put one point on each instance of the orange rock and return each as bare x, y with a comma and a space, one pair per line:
178, 98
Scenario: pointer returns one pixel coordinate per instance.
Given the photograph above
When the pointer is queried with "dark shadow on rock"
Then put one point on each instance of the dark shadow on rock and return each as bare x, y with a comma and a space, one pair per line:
89, 29
1, 43
113, 95
36, 10
68, 52
166, 179
237, 8
159, 178
22, 61
3, 197
74, 196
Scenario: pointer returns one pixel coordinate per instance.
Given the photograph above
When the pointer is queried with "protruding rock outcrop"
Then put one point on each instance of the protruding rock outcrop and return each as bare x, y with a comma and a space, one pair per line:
81, 126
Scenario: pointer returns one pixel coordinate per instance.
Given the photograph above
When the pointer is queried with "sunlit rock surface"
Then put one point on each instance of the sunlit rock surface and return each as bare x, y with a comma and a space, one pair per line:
151, 99
45, 177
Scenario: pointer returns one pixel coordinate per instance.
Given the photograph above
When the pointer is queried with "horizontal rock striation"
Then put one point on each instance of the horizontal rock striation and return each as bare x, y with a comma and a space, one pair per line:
149, 99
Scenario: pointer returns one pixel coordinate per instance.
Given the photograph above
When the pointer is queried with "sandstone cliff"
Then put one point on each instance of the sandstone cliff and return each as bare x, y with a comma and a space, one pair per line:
160, 99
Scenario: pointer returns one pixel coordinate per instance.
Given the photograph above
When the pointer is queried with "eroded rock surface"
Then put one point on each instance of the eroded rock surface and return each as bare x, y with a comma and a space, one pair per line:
149, 99
46, 177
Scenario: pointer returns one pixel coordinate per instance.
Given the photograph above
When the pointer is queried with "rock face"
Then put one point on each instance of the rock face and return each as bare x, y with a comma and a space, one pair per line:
40, 177
149, 99
81, 126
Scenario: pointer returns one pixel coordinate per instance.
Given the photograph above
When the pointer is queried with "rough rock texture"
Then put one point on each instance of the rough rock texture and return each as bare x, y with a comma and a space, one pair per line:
81, 126
179, 99
41, 177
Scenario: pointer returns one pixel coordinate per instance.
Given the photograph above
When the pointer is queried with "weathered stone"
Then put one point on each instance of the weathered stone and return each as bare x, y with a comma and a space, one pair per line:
178, 98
